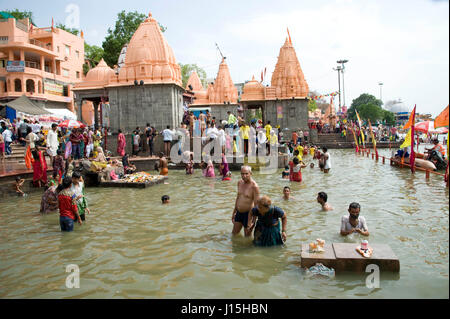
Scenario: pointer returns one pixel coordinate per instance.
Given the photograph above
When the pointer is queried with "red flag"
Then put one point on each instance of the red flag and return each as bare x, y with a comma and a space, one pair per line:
262, 78
52, 22
265, 69
412, 158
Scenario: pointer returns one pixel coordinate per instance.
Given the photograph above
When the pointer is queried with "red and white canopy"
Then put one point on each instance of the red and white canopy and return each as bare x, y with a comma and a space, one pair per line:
71, 124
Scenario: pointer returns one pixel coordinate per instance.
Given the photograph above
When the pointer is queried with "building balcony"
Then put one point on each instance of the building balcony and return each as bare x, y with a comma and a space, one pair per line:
37, 96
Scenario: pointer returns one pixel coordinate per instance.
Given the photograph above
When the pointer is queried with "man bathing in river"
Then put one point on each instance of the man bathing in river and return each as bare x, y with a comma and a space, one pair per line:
247, 198
322, 198
163, 167
354, 223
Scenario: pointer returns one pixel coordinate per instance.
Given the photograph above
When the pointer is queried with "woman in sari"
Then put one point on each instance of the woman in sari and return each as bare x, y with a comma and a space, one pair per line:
224, 169
121, 144
49, 201
267, 230
39, 168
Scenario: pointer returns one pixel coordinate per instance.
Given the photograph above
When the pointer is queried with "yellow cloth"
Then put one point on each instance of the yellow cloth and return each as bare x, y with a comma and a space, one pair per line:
273, 139
407, 141
245, 130
300, 152
312, 150
268, 128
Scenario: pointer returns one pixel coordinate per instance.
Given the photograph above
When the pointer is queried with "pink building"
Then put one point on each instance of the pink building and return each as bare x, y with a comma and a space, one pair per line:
41, 63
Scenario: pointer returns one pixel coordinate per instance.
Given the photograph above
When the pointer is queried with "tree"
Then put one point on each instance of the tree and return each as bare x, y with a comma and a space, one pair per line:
70, 30
186, 70
388, 117
16, 13
363, 99
126, 25
370, 111
312, 105
93, 54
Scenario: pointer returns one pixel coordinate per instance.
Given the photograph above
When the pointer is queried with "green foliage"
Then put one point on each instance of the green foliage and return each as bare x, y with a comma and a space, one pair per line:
16, 13
186, 70
126, 25
363, 99
312, 105
70, 30
93, 54
388, 117
370, 111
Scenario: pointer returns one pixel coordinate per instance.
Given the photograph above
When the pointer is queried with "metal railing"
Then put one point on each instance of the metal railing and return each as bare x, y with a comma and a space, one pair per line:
21, 26
32, 64
41, 44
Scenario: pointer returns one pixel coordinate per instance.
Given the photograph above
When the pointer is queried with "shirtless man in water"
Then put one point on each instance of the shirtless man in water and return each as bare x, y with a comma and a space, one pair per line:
247, 198
163, 167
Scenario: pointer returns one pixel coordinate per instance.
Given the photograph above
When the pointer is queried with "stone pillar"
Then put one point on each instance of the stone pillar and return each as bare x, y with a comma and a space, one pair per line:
96, 121
22, 55
42, 63
54, 66
11, 55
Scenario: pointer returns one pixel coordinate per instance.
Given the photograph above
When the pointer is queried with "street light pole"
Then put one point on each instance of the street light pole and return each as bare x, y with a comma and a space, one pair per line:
381, 91
342, 62
339, 68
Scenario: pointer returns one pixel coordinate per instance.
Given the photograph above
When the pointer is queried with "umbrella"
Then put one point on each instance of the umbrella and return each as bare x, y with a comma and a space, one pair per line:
424, 127
71, 124
440, 130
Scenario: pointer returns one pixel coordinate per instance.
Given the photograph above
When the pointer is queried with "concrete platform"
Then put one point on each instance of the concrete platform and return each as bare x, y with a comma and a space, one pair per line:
343, 257
347, 258
327, 258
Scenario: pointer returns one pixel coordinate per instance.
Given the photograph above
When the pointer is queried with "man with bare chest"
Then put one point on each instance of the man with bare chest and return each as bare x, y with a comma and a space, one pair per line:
247, 197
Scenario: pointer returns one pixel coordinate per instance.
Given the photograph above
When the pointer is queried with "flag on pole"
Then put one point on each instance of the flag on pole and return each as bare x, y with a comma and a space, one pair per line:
412, 159
262, 77
356, 140
360, 129
407, 141
373, 140
442, 119
290, 41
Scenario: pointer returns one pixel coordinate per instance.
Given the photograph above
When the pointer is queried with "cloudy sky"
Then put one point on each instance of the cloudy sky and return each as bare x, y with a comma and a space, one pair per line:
404, 44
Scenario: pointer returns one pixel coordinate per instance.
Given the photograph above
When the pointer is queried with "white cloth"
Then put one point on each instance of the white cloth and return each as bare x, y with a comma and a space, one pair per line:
167, 134
346, 226
328, 161
78, 191
7, 136
212, 133
52, 141
31, 139
222, 137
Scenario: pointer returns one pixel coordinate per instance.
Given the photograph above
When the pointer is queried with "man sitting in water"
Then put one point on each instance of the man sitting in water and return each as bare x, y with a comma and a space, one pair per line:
247, 197
322, 200
354, 223
267, 230
286, 192
163, 167
165, 199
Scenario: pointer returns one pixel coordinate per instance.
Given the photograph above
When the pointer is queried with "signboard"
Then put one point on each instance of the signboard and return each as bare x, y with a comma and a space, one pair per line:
51, 87
15, 66
279, 112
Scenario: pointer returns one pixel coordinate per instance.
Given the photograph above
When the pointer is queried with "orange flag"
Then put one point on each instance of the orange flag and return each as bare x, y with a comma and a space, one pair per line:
410, 121
442, 119
290, 41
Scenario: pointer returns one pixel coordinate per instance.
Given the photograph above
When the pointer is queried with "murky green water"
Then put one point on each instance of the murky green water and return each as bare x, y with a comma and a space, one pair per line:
133, 247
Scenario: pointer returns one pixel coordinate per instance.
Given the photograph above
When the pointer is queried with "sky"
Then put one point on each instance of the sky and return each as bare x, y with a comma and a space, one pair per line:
403, 44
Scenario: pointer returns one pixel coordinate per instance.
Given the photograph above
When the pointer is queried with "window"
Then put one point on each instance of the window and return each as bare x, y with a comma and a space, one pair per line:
78, 74
3, 40
17, 85
67, 50
77, 54
65, 72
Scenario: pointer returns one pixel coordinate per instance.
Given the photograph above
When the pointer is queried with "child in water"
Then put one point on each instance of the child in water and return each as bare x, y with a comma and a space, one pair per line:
285, 173
165, 199
17, 185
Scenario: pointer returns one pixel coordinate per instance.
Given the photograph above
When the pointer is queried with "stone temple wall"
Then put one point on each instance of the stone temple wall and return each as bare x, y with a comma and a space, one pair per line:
294, 113
157, 104
220, 111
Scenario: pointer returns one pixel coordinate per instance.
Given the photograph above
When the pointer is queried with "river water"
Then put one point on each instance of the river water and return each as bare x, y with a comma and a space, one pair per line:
133, 247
